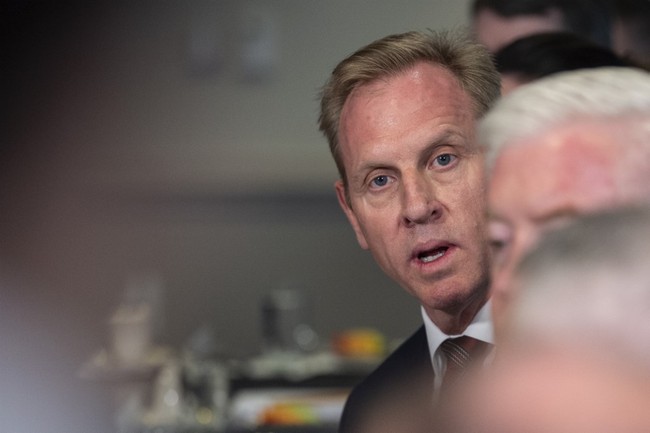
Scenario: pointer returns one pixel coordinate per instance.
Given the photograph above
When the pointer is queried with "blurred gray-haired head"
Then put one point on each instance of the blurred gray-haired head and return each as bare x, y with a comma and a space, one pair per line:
589, 283
600, 93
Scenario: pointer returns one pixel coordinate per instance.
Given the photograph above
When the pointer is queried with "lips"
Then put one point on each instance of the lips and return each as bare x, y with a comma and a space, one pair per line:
431, 254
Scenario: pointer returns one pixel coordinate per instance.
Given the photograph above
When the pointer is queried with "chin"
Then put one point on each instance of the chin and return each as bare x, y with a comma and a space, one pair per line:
447, 299
459, 294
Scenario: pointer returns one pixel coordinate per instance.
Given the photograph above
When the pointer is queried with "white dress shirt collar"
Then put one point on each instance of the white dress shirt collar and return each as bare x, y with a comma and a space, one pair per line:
480, 328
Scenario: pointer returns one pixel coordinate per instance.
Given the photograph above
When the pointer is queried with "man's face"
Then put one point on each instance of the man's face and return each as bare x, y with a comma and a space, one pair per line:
540, 184
416, 185
495, 31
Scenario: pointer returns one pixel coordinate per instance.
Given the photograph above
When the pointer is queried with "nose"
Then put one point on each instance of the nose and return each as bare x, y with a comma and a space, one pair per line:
504, 275
419, 204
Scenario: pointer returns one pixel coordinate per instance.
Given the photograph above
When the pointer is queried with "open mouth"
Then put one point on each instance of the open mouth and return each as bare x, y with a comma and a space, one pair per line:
429, 256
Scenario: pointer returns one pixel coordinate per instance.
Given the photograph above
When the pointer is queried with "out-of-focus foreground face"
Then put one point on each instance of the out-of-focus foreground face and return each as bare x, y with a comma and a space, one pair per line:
575, 358
495, 31
416, 185
554, 390
540, 183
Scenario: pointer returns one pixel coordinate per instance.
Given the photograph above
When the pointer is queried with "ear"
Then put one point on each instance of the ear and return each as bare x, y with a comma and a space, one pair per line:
345, 205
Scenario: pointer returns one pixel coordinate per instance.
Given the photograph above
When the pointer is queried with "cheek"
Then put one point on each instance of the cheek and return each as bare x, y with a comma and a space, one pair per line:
472, 204
468, 210
470, 185
375, 227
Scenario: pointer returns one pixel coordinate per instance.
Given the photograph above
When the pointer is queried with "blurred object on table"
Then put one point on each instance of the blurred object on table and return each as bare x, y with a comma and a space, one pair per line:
307, 407
294, 383
285, 323
360, 343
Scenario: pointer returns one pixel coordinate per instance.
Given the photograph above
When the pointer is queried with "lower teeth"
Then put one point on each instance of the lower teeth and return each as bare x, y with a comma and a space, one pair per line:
429, 259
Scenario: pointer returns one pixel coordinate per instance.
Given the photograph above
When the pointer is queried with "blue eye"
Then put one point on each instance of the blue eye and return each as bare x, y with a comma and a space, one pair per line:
445, 159
380, 181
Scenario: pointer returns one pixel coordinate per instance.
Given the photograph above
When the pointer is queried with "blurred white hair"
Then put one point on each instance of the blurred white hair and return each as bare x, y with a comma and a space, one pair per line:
589, 283
608, 92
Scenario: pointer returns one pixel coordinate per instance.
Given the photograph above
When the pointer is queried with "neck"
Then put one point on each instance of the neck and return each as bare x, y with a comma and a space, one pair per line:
456, 323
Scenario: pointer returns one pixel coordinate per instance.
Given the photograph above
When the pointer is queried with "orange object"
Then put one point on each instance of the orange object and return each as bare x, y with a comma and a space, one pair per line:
288, 414
361, 342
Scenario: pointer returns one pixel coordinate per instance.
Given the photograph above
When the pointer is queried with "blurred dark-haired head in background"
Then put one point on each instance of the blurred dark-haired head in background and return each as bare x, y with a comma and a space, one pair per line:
496, 23
631, 29
538, 55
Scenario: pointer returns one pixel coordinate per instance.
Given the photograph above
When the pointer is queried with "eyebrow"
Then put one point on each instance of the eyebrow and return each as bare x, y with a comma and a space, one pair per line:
563, 212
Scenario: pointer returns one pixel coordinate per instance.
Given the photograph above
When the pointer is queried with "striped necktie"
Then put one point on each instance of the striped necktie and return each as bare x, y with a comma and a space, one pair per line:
460, 353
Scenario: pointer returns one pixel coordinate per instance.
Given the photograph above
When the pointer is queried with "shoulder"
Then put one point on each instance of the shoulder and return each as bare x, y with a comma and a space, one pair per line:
412, 352
405, 376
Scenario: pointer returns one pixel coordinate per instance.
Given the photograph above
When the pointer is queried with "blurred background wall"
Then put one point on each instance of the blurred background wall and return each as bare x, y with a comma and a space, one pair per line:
177, 142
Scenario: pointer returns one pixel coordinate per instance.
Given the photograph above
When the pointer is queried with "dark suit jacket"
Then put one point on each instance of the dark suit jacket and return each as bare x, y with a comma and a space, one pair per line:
397, 396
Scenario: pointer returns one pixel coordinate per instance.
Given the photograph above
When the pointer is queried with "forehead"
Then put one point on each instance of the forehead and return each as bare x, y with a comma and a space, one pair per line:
424, 90
422, 76
570, 169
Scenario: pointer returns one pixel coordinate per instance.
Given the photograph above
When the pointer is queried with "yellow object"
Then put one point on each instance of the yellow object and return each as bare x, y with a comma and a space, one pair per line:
288, 414
361, 342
